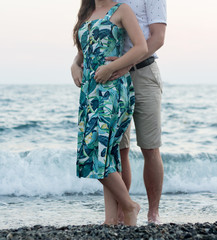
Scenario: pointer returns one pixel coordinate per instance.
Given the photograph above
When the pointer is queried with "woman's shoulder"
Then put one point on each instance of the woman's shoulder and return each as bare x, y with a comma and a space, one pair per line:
124, 9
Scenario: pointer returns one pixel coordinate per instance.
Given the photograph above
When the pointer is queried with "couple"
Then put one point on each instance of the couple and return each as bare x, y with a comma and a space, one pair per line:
112, 50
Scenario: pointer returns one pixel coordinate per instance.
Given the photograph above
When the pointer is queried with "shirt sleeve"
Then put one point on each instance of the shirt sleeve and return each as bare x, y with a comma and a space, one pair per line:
156, 11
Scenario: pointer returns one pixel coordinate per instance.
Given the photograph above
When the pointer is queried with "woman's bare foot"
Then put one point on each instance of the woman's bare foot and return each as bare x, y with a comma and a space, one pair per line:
120, 215
130, 215
121, 219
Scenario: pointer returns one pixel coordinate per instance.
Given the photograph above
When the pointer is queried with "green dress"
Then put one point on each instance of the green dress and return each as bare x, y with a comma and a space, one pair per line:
105, 110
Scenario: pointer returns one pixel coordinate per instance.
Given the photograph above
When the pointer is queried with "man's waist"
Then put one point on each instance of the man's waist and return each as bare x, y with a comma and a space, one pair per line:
143, 64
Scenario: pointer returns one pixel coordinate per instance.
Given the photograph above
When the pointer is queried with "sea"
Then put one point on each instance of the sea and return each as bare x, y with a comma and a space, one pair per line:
38, 137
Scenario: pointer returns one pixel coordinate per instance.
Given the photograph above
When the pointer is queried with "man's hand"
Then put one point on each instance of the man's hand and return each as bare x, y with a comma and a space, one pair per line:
119, 73
77, 74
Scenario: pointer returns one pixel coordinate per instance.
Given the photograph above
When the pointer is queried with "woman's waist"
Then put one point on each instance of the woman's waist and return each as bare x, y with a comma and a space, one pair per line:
95, 62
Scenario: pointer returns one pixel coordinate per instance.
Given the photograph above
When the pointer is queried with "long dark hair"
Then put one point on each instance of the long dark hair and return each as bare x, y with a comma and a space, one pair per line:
85, 11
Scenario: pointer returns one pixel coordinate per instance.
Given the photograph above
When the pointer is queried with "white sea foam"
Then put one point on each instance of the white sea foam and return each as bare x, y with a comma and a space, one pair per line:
42, 172
182, 173
53, 172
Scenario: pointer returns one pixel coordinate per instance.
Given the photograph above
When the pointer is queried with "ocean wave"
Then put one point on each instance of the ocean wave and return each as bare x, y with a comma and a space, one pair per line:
30, 124
42, 172
214, 125
183, 173
6, 100
44, 125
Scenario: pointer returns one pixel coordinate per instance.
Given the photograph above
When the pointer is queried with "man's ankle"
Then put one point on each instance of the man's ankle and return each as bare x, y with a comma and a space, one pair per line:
154, 214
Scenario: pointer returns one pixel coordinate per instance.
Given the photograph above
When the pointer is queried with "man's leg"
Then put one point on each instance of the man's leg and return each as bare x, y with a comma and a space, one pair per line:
125, 162
153, 178
147, 119
126, 170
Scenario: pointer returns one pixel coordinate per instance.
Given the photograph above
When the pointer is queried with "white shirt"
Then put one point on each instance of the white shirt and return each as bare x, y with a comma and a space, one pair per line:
147, 12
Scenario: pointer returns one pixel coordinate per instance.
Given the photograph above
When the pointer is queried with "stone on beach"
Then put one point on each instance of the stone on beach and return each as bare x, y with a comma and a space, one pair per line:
98, 232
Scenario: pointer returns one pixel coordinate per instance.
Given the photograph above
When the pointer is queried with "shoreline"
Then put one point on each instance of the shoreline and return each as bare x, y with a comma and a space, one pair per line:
97, 232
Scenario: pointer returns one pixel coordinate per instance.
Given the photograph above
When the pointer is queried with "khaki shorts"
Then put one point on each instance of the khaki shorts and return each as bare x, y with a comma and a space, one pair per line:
147, 114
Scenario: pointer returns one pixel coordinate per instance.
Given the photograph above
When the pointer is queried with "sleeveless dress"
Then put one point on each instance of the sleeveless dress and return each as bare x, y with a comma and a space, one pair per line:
105, 110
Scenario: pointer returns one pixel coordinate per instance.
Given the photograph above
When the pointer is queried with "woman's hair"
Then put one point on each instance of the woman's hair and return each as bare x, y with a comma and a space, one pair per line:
85, 11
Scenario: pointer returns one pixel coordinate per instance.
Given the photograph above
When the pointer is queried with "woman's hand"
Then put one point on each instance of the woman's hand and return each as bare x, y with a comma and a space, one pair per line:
77, 74
119, 73
103, 73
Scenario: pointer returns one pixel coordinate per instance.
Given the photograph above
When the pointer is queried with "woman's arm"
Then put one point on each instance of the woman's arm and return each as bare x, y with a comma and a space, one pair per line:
139, 49
76, 69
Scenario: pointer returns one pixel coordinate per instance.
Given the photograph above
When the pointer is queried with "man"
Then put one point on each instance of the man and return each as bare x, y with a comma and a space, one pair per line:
151, 15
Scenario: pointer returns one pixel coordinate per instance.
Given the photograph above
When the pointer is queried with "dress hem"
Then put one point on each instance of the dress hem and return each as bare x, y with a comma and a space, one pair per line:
102, 177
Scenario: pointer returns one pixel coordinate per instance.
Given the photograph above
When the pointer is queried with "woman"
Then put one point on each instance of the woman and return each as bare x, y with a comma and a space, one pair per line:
105, 107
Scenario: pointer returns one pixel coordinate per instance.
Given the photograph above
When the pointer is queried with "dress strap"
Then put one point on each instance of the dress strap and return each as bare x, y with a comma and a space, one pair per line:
112, 11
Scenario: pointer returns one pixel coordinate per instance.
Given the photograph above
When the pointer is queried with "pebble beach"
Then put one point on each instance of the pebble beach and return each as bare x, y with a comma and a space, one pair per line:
96, 232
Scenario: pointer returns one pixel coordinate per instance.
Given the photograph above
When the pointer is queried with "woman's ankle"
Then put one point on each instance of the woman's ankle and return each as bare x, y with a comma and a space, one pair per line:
111, 221
129, 207
130, 215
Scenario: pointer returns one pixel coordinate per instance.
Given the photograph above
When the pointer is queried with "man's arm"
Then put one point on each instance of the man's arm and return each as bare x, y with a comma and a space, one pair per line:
154, 42
156, 39
76, 69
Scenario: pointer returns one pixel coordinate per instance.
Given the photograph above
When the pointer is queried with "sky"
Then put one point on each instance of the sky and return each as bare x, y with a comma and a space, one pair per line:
36, 45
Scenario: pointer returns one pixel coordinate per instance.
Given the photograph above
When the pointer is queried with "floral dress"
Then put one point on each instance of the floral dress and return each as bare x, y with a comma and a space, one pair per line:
105, 110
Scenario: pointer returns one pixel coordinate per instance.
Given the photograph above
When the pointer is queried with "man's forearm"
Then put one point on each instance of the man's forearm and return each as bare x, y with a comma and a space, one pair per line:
153, 45
156, 39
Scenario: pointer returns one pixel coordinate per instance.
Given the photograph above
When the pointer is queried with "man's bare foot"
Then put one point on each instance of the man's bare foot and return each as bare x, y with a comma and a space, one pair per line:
130, 216
154, 218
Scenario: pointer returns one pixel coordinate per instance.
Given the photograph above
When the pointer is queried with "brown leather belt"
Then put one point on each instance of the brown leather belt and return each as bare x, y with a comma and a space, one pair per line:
144, 63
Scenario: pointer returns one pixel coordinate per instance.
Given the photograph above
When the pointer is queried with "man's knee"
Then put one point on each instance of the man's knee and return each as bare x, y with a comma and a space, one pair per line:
150, 154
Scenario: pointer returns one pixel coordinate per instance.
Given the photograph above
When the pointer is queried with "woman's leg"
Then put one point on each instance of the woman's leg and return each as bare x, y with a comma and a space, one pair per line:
117, 187
111, 207
113, 211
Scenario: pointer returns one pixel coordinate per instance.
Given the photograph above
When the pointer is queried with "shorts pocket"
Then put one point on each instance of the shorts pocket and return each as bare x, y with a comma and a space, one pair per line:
153, 68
